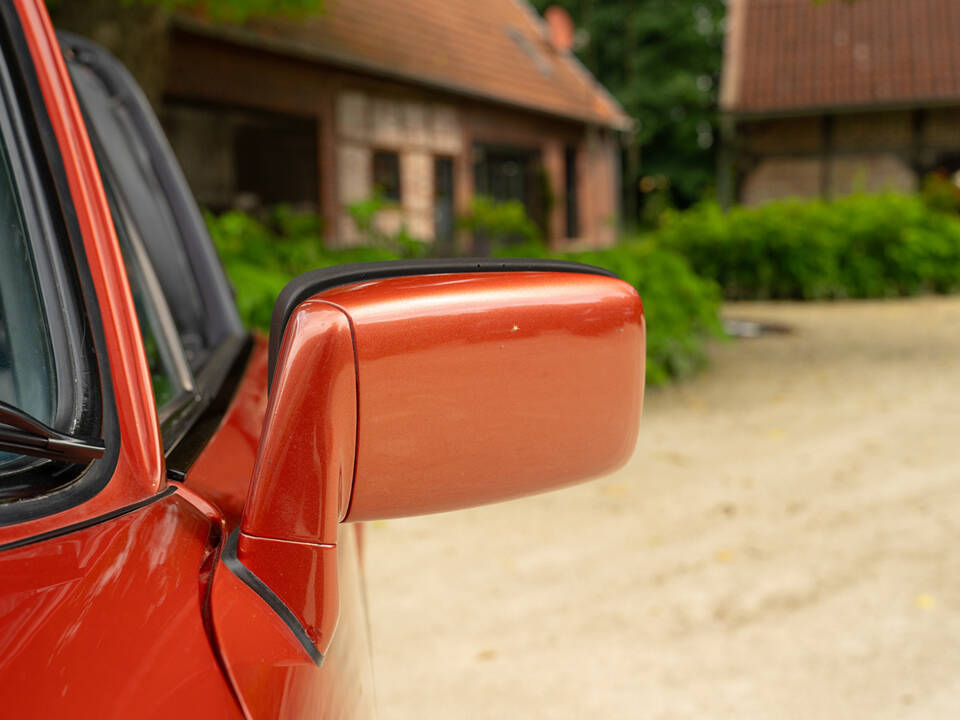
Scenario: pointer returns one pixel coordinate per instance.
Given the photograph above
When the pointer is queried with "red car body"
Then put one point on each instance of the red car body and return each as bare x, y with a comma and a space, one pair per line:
121, 605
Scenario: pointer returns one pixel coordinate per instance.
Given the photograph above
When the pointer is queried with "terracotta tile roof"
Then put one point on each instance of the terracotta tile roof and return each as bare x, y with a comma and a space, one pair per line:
492, 49
785, 55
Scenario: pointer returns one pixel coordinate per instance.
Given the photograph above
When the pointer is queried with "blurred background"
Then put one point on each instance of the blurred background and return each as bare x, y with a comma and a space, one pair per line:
778, 178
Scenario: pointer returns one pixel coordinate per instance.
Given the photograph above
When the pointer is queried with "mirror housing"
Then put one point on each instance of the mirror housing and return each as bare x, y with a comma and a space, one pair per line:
407, 388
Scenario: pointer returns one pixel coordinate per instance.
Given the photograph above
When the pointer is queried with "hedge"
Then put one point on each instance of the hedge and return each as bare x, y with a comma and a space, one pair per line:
858, 247
681, 308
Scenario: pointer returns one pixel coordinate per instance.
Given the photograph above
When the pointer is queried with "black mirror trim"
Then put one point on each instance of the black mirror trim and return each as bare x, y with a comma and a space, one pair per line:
316, 281
247, 576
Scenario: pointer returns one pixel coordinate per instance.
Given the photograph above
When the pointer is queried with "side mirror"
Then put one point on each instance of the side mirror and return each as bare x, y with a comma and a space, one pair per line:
407, 388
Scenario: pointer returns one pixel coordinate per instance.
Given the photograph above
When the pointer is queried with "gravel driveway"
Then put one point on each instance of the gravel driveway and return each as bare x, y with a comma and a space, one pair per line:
784, 544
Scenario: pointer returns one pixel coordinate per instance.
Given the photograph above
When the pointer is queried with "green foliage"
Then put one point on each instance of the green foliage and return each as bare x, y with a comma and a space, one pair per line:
260, 258
858, 247
364, 214
501, 221
940, 193
682, 309
662, 60
229, 10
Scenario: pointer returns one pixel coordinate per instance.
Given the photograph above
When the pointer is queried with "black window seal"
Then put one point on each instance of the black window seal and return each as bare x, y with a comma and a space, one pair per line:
81, 483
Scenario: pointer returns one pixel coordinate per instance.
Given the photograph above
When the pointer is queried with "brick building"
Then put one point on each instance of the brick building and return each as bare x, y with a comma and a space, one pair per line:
827, 99
430, 101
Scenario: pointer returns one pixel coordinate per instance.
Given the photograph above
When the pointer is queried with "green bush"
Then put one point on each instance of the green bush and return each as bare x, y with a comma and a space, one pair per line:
681, 308
858, 247
501, 221
364, 215
939, 192
261, 258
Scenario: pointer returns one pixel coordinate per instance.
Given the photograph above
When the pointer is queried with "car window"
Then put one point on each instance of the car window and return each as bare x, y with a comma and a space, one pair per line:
122, 152
48, 366
168, 374
27, 376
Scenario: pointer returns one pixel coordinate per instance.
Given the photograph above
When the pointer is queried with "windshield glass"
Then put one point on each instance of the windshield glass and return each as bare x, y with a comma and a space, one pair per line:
27, 377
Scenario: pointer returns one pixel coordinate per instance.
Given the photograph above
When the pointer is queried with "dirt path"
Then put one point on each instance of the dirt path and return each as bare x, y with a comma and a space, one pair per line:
784, 544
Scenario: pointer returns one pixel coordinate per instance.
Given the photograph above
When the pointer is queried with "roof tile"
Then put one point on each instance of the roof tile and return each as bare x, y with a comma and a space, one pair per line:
800, 55
495, 49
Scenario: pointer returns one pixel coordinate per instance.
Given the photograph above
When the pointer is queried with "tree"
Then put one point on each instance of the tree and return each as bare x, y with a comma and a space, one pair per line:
137, 31
662, 60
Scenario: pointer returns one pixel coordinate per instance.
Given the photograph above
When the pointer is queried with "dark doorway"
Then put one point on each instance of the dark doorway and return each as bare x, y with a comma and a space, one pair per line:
510, 173
239, 158
571, 191
444, 223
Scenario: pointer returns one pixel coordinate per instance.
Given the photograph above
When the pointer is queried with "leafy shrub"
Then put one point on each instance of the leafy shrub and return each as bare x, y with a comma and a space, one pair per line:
940, 193
681, 308
261, 258
501, 221
859, 247
364, 214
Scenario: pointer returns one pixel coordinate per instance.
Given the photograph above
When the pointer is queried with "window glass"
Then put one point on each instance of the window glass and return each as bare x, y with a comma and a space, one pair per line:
166, 385
27, 375
386, 174
121, 152
571, 195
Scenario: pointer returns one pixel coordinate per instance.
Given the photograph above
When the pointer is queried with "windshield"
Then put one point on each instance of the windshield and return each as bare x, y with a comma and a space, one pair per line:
27, 377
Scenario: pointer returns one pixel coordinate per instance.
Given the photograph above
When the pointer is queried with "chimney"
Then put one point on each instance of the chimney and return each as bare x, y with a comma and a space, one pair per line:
559, 28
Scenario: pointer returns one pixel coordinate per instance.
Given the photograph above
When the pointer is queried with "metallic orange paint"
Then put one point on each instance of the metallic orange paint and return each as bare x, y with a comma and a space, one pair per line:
222, 471
100, 623
449, 390
268, 667
301, 482
485, 387
303, 575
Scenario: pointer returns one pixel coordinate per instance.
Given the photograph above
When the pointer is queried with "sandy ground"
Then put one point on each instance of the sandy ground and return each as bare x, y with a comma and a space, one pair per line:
785, 543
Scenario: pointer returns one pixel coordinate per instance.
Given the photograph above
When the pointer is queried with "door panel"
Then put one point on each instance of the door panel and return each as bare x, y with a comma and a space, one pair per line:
108, 621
